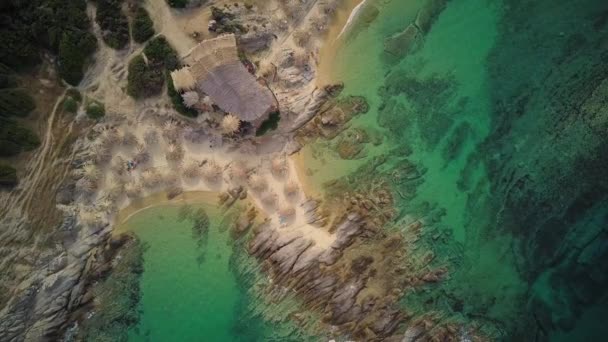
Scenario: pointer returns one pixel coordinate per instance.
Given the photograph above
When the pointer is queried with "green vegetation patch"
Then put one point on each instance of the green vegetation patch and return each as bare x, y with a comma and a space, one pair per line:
269, 124
29, 28
113, 22
178, 3
8, 176
15, 139
74, 94
16, 102
176, 99
225, 22
70, 105
144, 80
74, 49
160, 53
142, 27
147, 75
96, 110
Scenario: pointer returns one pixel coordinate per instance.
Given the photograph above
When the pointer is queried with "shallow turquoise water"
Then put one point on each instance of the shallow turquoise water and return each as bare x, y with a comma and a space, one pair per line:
474, 107
189, 291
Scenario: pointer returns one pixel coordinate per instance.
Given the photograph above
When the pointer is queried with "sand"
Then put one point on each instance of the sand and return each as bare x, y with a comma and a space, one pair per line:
223, 154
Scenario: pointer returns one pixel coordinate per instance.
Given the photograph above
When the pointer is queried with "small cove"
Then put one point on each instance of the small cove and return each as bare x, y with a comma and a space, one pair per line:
188, 289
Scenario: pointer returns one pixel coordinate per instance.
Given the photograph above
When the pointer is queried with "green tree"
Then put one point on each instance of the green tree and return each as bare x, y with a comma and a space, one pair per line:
15, 138
96, 110
160, 52
144, 80
8, 175
142, 27
74, 48
16, 102
114, 24
70, 105
177, 3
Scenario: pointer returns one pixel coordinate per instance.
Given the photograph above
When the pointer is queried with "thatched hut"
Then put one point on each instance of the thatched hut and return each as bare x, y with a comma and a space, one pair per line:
151, 178
118, 167
170, 131
115, 189
212, 172
133, 189
91, 172
183, 79
102, 154
127, 138
190, 98
230, 124
151, 137
192, 170
143, 155
174, 153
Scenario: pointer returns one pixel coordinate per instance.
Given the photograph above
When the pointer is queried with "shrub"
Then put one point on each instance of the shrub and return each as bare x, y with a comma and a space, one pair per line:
159, 52
177, 3
70, 105
74, 49
176, 99
144, 80
96, 110
8, 175
15, 138
269, 124
143, 27
226, 21
74, 94
16, 102
113, 23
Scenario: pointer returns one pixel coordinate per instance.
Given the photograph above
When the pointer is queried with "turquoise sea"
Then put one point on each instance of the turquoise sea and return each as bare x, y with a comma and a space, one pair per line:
502, 108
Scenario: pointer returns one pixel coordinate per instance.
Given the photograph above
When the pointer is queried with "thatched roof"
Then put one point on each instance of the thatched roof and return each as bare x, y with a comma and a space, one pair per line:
236, 91
219, 73
183, 79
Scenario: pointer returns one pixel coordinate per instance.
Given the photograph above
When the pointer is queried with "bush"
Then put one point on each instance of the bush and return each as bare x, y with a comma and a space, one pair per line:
226, 22
16, 102
113, 23
74, 49
74, 94
15, 138
143, 27
144, 80
70, 105
96, 110
176, 99
269, 124
8, 175
177, 3
160, 53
